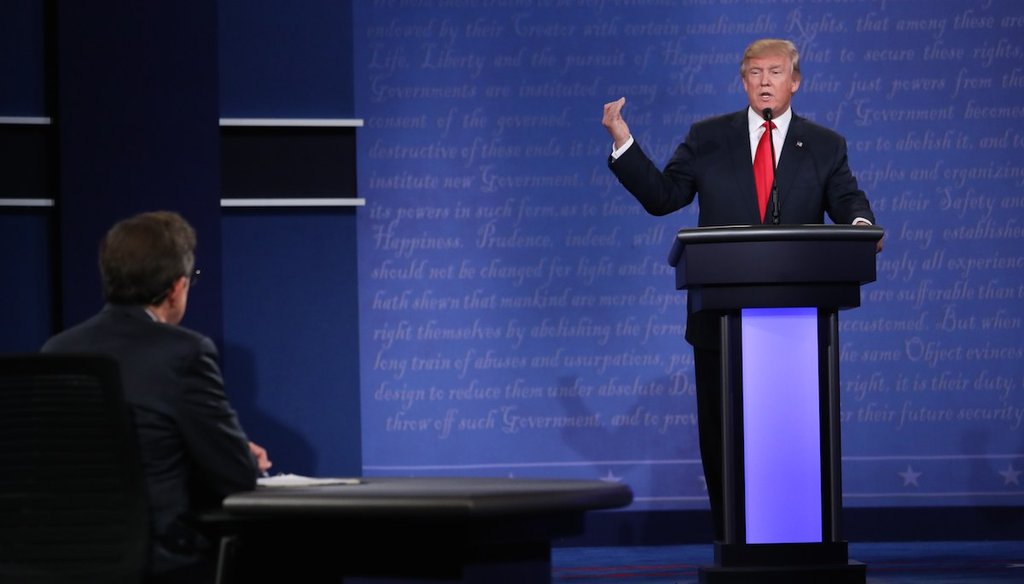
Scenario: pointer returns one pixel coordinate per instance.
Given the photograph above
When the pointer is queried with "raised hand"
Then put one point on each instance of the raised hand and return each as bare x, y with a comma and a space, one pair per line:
614, 123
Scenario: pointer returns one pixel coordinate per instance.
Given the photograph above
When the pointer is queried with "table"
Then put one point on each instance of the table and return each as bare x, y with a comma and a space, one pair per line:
398, 529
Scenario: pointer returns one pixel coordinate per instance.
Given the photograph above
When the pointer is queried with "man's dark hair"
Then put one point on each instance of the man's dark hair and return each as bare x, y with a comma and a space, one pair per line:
142, 256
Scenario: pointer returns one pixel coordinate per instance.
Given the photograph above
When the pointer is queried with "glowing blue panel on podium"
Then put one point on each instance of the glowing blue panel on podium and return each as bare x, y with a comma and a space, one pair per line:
781, 425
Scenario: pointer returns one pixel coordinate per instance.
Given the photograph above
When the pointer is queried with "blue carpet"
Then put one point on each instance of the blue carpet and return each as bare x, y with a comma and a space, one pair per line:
888, 563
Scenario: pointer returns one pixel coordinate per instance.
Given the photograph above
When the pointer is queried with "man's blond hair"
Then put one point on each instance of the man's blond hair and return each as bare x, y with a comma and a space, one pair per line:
764, 47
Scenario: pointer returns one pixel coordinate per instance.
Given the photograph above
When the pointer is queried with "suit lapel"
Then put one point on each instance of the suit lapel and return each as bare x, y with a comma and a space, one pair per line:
794, 153
739, 145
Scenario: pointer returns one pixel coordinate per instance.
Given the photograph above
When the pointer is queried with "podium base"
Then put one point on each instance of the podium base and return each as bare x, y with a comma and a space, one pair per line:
849, 573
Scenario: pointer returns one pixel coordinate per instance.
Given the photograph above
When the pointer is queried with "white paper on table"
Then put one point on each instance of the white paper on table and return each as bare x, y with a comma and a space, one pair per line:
294, 480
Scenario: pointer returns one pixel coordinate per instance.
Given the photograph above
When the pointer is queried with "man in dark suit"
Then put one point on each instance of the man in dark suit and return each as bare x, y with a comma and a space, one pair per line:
718, 163
194, 452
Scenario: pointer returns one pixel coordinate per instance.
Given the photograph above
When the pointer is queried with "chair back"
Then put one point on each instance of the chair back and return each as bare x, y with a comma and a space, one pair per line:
73, 504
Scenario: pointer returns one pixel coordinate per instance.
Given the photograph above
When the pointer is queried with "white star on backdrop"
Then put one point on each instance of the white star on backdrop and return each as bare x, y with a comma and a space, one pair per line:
909, 476
611, 478
1011, 476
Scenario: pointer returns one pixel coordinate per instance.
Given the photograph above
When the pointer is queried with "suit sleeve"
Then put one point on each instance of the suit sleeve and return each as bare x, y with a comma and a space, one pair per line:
844, 200
659, 192
216, 444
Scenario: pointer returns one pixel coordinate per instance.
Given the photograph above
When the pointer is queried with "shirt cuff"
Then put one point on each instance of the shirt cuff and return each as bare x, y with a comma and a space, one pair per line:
617, 152
861, 221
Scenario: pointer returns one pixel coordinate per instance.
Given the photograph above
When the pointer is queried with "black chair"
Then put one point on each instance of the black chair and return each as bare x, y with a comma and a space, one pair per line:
73, 503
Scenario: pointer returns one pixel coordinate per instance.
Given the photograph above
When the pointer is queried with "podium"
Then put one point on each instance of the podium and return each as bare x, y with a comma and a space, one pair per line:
778, 290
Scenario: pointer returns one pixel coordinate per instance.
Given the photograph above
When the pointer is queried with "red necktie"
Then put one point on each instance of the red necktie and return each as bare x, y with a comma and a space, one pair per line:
764, 168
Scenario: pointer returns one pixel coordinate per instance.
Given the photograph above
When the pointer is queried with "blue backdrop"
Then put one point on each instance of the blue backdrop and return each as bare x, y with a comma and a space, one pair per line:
517, 313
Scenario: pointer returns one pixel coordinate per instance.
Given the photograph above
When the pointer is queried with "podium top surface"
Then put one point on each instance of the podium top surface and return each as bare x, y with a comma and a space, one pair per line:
771, 233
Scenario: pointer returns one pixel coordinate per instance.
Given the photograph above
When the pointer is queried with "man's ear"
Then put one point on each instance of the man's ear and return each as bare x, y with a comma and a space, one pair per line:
178, 288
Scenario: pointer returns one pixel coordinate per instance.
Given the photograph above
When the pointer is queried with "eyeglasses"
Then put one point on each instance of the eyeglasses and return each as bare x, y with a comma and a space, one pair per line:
192, 281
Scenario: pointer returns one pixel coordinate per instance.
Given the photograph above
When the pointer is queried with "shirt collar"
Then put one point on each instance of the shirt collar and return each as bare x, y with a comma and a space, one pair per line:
754, 120
133, 310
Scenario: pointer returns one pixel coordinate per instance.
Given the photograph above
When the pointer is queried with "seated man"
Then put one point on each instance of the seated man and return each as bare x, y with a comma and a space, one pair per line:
194, 452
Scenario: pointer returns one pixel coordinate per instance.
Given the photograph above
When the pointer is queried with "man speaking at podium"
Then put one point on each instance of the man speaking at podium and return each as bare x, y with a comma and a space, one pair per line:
742, 174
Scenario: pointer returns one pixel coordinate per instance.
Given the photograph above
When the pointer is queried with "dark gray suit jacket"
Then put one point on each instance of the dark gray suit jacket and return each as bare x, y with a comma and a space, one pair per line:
194, 452
714, 165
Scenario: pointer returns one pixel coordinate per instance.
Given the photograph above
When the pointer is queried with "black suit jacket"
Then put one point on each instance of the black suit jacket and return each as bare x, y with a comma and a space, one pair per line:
194, 452
713, 164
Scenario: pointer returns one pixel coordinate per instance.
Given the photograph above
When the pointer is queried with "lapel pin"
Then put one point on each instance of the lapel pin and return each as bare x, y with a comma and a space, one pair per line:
799, 144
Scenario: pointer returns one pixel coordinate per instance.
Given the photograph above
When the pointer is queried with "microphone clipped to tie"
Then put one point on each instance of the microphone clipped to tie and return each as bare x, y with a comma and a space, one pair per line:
766, 113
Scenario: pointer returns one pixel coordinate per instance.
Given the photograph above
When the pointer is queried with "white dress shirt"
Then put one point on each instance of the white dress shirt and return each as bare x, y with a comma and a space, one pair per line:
755, 123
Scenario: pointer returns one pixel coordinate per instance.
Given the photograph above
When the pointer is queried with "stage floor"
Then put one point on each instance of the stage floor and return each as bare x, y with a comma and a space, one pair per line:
952, 562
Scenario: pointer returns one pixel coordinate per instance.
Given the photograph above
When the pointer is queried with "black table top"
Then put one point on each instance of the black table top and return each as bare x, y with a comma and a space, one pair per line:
433, 497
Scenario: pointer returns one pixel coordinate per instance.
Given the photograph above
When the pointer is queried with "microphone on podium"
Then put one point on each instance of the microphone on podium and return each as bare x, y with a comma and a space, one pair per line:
767, 115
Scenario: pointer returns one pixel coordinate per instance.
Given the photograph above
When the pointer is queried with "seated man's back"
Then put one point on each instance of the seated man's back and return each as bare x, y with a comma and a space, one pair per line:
194, 452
